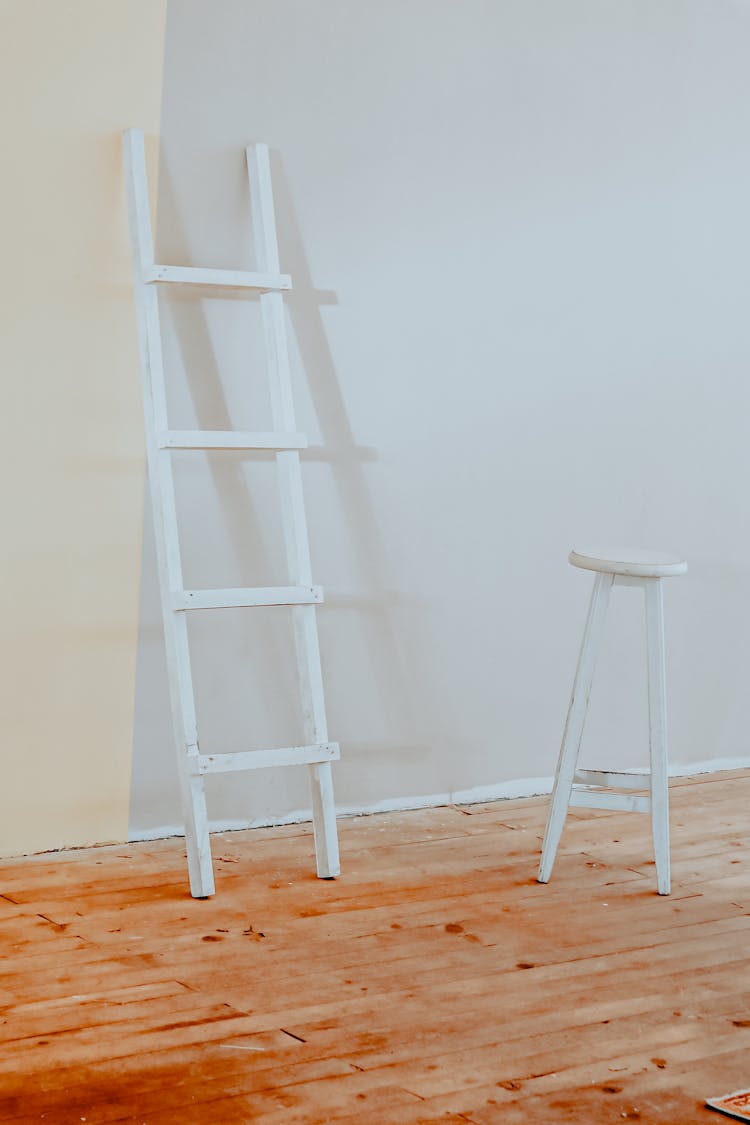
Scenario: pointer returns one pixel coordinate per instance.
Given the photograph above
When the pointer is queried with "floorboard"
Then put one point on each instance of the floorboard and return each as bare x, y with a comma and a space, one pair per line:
435, 981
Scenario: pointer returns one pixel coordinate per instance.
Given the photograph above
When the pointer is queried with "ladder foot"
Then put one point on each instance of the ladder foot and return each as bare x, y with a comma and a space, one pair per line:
207, 890
663, 883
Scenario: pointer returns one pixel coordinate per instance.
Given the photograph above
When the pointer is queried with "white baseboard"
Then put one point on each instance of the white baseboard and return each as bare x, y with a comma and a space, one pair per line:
500, 791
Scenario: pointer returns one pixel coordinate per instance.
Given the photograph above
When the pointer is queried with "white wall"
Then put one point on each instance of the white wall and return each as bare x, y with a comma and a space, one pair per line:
518, 234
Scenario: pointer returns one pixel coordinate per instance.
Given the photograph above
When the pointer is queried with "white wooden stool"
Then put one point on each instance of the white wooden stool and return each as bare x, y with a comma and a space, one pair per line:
588, 788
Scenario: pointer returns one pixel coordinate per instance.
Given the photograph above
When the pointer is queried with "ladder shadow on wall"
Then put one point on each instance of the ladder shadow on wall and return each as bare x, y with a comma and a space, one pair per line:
155, 800
370, 608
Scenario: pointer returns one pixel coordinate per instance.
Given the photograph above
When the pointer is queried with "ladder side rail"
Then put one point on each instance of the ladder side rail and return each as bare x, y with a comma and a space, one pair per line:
293, 509
154, 399
165, 517
277, 352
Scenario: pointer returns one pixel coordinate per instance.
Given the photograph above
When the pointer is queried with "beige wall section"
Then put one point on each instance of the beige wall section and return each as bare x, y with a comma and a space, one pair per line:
75, 75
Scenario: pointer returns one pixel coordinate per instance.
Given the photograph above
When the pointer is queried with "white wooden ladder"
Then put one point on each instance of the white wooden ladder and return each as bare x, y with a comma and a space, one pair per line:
286, 442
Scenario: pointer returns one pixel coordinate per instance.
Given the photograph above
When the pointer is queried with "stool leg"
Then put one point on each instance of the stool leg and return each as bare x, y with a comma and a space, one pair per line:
571, 740
657, 709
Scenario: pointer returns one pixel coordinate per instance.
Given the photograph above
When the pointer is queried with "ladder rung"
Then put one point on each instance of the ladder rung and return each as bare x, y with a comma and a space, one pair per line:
229, 279
229, 439
260, 759
620, 802
248, 596
614, 779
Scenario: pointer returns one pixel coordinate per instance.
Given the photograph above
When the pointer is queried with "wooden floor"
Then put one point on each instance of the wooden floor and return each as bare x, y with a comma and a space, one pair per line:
434, 981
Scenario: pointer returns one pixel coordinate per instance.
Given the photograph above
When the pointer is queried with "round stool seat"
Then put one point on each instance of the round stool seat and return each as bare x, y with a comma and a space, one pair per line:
636, 562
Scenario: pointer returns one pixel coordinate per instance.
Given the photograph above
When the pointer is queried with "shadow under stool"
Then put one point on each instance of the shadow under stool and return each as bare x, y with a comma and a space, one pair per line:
591, 788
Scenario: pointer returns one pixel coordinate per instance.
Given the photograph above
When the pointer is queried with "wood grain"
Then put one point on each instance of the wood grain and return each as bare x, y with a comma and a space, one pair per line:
435, 981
